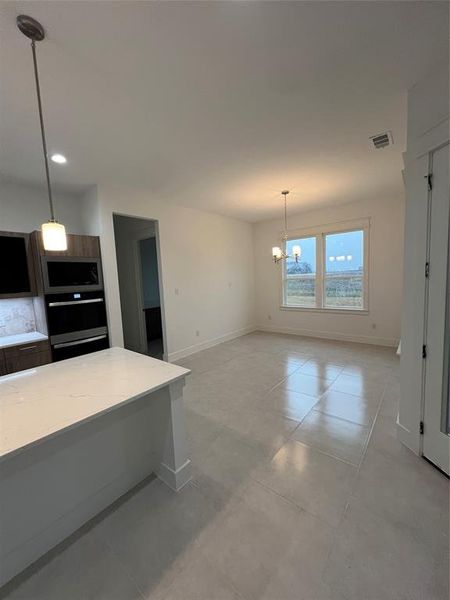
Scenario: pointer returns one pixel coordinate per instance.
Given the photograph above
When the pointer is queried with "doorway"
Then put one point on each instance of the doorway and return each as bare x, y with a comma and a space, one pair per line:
138, 266
436, 440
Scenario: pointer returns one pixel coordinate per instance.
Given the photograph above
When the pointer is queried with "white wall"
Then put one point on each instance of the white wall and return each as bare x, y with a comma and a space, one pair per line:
385, 276
24, 208
207, 258
207, 270
428, 128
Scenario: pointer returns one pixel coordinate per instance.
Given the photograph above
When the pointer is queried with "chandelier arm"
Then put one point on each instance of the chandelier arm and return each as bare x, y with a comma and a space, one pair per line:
41, 120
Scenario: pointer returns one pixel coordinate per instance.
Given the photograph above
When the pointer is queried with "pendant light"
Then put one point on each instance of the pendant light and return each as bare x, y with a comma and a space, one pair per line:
53, 233
278, 253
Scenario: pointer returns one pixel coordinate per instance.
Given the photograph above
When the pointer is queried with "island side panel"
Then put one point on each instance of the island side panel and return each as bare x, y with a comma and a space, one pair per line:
50, 490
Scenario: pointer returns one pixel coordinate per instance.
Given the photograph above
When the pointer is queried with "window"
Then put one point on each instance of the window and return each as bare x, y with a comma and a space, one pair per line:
344, 270
300, 282
331, 272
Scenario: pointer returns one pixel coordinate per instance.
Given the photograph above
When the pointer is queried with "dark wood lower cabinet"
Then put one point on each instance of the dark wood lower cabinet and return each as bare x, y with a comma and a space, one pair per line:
25, 356
2, 364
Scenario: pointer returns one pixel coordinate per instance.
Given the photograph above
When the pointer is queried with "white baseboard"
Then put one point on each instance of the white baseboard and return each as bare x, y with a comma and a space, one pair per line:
175, 479
331, 335
407, 439
179, 354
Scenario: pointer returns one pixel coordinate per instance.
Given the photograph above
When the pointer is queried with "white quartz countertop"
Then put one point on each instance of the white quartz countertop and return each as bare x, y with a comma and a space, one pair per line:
21, 338
42, 402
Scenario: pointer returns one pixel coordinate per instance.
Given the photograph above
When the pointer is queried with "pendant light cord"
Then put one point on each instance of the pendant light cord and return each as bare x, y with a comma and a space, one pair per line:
285, 215
41, 119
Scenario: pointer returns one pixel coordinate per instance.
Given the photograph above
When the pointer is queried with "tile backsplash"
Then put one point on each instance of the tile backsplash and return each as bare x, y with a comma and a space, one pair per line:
17, 316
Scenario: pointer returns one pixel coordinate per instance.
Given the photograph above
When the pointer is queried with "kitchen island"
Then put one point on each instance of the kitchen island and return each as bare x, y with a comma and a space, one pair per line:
76, 435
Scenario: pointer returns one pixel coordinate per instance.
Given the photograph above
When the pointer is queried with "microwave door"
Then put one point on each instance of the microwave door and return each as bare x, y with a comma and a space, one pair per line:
67, 274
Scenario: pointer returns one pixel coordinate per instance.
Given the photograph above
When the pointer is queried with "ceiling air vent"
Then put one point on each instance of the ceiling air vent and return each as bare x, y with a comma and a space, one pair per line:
382, 140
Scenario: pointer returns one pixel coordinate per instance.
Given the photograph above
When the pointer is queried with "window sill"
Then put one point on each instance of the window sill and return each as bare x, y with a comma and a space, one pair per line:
346, 311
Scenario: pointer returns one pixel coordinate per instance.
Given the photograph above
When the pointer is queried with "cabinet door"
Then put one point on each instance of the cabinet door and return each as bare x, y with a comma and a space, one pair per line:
2, 364
16, 267
87, 246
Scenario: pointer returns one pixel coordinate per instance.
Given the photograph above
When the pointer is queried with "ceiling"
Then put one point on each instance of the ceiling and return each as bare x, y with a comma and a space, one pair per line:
219, 105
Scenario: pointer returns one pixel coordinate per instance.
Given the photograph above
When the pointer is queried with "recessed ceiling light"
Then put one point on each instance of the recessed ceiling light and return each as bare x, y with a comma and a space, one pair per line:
59, 158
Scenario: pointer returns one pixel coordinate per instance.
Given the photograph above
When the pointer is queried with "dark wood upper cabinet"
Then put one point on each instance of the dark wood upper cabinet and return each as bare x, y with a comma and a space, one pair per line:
87, 246
17, 275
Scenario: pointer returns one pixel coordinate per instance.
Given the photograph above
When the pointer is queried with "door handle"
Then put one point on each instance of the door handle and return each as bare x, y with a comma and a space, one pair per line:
73, 302
78, 342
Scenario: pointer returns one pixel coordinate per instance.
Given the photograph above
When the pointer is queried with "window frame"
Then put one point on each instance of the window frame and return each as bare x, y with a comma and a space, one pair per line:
320, 233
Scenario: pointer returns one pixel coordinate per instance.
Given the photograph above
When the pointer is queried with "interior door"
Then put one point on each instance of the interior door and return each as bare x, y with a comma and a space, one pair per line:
436, 441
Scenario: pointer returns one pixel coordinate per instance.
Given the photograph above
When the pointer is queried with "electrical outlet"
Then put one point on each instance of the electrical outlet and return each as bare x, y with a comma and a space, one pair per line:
269, 317
197, 333
374, 325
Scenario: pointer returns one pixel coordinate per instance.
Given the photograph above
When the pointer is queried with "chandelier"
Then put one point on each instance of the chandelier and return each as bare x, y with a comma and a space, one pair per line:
279, 254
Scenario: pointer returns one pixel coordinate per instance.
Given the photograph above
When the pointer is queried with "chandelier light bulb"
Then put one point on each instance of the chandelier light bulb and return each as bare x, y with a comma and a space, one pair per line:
276, 253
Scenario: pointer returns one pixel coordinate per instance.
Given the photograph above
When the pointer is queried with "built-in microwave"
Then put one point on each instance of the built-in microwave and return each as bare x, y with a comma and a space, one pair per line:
63, 274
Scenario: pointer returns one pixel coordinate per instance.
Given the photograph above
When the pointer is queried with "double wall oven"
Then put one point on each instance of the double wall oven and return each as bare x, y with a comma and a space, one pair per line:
75, 305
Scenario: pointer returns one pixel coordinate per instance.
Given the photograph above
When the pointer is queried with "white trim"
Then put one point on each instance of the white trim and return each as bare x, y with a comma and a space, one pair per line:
175, 479
139, 293
407, 439
429, 141
337, 227
332, 335
320, 271
184, 352
344, 311
143, 234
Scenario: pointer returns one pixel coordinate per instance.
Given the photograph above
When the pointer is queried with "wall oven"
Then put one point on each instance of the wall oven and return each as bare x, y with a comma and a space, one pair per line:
76, 323
63, 274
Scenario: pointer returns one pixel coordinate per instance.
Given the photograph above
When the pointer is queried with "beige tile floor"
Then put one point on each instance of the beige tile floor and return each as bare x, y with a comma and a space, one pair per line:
301, 492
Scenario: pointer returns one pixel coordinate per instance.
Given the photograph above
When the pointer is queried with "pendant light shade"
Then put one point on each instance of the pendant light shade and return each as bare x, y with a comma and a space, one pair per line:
54, 236
53, 233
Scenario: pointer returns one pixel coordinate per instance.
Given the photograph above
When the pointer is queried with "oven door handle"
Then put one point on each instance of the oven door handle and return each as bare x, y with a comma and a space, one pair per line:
77, 342
72, 302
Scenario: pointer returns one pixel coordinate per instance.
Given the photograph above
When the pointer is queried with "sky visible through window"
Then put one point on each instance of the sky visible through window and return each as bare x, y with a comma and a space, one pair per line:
308, 256
343, 252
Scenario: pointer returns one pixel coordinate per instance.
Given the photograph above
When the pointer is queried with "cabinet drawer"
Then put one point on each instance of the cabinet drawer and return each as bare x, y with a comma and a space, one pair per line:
13, 352
27, 361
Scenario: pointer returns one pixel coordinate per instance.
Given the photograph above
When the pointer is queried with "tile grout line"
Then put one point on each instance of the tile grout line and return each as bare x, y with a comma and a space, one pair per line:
366, 445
